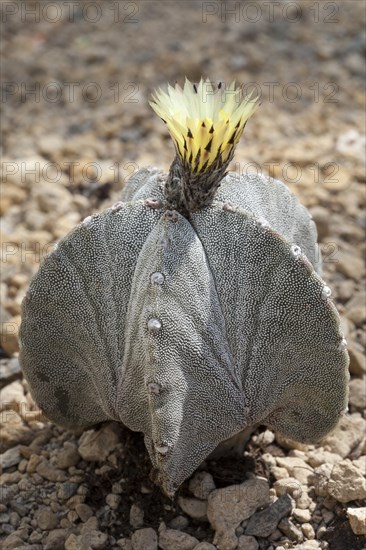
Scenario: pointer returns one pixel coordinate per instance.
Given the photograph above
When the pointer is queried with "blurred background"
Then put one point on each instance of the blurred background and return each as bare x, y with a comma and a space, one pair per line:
76, 80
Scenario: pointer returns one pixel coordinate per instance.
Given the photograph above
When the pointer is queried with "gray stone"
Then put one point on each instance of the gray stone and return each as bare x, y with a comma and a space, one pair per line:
262, 524
171, 539
144, 539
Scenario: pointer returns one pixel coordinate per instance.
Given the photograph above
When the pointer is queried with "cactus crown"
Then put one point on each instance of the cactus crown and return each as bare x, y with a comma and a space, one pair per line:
205, 124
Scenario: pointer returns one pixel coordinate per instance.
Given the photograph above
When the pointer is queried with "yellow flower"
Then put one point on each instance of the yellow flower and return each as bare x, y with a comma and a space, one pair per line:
204, 123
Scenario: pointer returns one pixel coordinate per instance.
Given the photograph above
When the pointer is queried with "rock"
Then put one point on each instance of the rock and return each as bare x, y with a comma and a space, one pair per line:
360, 463
68, 456
13, 541
351, 266
144, 539
320, 479
262, 524
83, 511
308, 545
125, 544
52, 199
290, 530
11, 457
348, 434
296, 467
9, 370
290, 486
229, 506
46, 470
205, 546
46, 519
56, 539
136, 516
357, 520
193, 507
179, 522
318, 457
113, 500
264, 439
91, 524
346, 482
201, 485
357, 393
73, 542
170, 539
357, 364
357, 314
92, 540
303, 516
9, 335
308, 530
13, 430
288, 443
247, 543
321, 218
12, 397
95, 445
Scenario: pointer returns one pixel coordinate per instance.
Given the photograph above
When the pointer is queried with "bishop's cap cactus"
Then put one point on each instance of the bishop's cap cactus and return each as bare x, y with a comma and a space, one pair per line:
191, 310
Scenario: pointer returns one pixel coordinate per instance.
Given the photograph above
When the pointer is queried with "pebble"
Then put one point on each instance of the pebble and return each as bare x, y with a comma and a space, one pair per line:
357, 520
349, 433
193, 507
95, 445
179, 522
296, 467
308, 530
144, 539
12, 397
247, 543
262, 524
171, 539
46, 519
229, 506
290, 530
201, 485
113, 500
346, 482
46, 470
9, 368
301, 515
68, 456
351, 266
55, 539
10, 458
357, 393
9, 335
136, 516
205, 546
357, 365
83, 511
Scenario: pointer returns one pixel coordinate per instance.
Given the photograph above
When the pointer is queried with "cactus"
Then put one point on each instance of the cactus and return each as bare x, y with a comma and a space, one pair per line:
193, 310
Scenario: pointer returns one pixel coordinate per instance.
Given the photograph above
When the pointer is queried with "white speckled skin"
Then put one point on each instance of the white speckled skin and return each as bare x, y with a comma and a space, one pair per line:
240, 330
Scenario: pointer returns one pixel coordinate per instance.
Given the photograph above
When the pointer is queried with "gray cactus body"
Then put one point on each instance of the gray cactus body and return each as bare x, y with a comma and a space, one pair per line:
188, 330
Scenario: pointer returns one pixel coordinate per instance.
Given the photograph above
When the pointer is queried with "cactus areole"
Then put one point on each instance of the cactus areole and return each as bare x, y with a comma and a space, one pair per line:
192, 310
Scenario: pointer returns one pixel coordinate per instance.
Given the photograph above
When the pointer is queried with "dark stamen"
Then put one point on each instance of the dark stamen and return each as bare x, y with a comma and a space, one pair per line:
189, 133
212, 129
208, 146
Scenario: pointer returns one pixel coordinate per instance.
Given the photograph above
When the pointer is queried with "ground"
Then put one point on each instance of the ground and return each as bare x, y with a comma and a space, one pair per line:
77, 77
